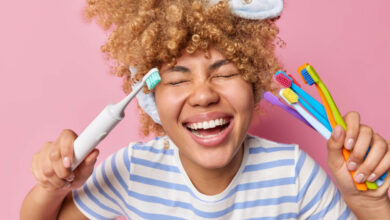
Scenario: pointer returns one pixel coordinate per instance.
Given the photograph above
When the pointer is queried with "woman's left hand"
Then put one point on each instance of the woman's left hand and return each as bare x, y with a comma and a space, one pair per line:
358, 138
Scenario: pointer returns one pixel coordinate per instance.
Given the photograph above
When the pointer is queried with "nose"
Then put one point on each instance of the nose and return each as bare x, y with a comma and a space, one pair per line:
203, 95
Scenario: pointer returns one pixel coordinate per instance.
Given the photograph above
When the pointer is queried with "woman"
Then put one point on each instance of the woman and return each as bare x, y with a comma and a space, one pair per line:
214, 67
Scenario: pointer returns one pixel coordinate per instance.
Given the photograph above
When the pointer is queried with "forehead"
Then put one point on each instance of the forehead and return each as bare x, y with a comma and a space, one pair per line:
197, 58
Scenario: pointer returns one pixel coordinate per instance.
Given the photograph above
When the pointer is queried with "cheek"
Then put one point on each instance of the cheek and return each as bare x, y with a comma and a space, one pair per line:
168, 103
240, 96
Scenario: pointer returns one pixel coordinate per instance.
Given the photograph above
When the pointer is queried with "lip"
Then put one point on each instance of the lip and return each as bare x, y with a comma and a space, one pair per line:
212, 141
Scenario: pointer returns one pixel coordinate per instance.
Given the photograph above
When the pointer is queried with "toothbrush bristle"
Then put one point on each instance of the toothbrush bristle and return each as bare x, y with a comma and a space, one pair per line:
283, 80
309, 80
290, 96
153, 80
294, 80
303, 79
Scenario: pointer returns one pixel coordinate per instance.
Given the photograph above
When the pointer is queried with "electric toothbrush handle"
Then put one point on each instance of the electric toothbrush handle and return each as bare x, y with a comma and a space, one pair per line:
94, 133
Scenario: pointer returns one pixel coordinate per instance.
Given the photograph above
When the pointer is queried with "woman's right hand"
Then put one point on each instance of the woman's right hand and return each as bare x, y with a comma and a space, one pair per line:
51, 166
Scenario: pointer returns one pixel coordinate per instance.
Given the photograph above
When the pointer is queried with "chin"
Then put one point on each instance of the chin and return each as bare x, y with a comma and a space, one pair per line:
214, 160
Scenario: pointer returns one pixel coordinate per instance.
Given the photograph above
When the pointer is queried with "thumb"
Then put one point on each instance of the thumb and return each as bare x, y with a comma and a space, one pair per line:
335, 148
84, 170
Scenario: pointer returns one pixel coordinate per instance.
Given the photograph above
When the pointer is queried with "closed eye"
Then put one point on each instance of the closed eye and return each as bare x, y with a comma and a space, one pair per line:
227, 75
177, 82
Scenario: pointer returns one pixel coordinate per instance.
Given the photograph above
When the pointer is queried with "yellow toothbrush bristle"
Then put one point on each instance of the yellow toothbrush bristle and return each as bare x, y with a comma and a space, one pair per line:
290, 95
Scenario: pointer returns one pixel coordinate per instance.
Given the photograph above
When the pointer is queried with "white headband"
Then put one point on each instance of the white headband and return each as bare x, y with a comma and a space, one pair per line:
249, 9
146, 101
255, 9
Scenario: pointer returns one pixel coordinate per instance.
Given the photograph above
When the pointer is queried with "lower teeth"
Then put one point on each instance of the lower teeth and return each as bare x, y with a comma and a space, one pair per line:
196, 133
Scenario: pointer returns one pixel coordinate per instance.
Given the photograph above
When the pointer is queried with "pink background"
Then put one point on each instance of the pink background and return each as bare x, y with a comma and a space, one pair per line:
53, 76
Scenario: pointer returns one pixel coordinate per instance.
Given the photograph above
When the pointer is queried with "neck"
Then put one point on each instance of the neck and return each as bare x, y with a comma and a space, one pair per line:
213, 181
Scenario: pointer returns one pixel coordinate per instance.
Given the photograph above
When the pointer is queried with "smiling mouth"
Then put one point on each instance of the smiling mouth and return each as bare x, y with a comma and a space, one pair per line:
208, 129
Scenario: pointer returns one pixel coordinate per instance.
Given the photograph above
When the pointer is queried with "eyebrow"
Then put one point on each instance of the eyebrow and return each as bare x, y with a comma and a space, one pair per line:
179, 69
212, 67
218, 64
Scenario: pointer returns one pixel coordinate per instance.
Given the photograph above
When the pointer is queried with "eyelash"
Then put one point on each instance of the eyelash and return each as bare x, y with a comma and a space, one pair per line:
176, 83
218, 76
227, 76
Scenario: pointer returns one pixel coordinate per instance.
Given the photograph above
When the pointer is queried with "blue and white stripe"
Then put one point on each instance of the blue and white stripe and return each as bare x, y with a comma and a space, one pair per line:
147, 181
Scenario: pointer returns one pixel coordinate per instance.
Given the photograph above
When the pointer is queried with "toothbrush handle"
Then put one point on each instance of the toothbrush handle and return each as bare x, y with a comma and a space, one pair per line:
93, 134
275, 101
313, 121
317, 115
312, 101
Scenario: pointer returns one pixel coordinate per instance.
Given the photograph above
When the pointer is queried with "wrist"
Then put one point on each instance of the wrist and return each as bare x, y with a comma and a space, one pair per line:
51, 195
370, 208
42, 203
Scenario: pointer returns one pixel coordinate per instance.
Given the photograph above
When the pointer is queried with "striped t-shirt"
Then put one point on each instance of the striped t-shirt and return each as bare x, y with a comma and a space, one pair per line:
148, 181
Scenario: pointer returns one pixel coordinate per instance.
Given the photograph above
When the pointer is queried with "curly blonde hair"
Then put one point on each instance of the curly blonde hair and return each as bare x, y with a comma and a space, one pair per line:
149, 33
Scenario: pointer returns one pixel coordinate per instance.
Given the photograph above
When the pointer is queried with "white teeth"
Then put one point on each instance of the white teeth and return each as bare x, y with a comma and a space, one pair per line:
212, 124
207, 136
207, 124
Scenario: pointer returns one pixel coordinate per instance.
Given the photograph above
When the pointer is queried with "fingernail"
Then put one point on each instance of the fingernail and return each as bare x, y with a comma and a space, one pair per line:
70, 178
371, 178
67, 185
336, 133
352, 166
66, 162
349, 144
359, 178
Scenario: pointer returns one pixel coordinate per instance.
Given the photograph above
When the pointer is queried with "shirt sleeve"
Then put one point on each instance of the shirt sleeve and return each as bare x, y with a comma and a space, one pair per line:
318, 197
103, 195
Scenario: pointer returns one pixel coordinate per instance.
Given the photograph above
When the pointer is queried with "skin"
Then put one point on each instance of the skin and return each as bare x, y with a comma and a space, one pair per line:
193, 88
371, 204
51, 198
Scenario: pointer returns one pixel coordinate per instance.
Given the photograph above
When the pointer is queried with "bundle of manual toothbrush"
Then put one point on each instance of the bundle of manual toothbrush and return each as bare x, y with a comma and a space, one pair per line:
321, 117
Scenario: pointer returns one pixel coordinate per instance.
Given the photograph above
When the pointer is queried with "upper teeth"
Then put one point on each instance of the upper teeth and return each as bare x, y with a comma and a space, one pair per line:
207, 124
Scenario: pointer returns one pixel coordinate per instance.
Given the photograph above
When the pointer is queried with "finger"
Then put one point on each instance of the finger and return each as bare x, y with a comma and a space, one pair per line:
57, 164
92, 156
377, 152
84, 170
335, 145
56, 182
384, 188
352, 120
47, 169
383, 166
65, 142
44, 181
41, 169
36, 169
90, 160
48, 179
360, 149
40, 162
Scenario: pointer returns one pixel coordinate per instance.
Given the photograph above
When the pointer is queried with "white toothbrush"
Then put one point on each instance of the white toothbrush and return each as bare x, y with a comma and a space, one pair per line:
292, 99
98, 129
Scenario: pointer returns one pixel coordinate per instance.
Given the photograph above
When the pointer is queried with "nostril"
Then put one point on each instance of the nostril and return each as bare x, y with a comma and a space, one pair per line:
204, 96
